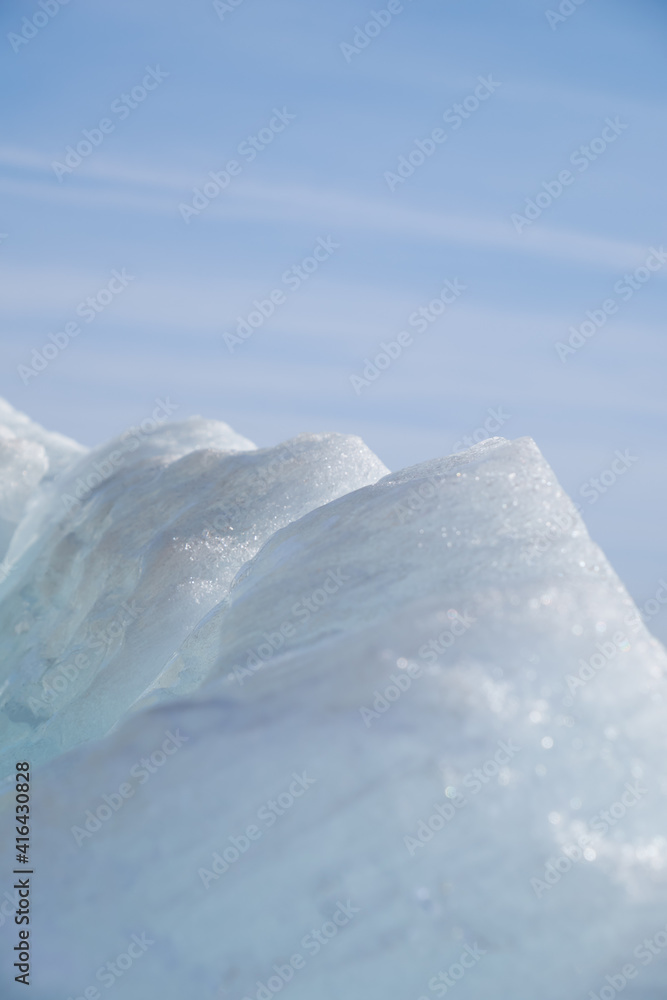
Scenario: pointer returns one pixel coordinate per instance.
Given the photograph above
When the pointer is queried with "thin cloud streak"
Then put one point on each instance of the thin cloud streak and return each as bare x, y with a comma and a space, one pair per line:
317, 206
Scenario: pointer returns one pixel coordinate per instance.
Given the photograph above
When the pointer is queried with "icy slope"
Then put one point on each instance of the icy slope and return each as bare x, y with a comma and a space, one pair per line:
416, 746
121, 558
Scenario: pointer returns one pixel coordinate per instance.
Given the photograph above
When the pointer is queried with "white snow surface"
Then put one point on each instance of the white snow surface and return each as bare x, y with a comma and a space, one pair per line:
421, 703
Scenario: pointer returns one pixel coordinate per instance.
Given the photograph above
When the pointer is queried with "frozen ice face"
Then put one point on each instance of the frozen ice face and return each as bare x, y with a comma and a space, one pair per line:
29, 455
128, 550
374, 735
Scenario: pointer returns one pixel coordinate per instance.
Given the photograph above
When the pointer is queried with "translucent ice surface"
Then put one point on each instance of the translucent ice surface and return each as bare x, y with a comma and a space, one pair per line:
28, 456
373, 735
123, 555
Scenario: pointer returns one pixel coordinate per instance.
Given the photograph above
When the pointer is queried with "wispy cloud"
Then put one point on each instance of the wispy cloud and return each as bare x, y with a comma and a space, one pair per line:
109, 186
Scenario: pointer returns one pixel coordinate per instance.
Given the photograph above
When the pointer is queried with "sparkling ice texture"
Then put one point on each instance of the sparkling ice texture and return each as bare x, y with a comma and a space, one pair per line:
304, 726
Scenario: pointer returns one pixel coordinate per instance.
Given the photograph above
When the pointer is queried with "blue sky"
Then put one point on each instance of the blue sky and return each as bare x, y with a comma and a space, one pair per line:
219, 77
